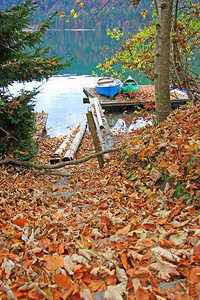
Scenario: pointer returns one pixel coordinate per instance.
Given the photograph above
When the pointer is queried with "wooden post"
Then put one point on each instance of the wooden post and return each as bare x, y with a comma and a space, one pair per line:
105, 135
97, 144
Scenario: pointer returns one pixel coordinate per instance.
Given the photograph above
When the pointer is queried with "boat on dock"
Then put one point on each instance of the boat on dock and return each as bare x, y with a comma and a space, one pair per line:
108, 86
130, 86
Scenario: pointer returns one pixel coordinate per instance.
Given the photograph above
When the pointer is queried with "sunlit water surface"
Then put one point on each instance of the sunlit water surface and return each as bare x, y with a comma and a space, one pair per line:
62, 98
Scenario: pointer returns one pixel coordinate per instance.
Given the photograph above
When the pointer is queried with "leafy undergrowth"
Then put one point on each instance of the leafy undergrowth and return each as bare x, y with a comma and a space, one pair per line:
128, 231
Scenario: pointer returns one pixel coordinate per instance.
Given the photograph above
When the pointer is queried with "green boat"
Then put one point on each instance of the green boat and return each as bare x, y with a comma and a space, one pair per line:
130, 86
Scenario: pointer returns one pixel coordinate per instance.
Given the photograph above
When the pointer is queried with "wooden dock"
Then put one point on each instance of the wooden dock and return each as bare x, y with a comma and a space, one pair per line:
40, 122
144, 96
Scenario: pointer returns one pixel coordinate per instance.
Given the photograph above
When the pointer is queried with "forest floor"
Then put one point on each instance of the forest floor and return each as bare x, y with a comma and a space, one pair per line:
130, 230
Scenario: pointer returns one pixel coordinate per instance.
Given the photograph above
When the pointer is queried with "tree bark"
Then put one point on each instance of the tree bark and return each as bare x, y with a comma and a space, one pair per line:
180, 71
162, 60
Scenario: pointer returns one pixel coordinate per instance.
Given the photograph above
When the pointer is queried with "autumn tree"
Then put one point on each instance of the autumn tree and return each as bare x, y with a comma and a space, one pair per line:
23, 58
163, 51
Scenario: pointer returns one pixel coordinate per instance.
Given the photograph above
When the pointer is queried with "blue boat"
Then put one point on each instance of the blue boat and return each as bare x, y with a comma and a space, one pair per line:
108, 86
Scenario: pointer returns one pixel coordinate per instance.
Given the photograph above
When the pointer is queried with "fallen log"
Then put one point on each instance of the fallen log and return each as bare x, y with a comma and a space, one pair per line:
29, 164
56, 155
71, 152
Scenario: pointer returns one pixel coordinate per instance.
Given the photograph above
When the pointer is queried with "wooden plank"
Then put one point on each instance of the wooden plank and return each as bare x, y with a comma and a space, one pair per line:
105, 135
97, 108
146, 94
95, 138
40, 122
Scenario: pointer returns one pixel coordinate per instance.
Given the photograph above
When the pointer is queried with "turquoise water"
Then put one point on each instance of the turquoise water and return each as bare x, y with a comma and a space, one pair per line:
62, 96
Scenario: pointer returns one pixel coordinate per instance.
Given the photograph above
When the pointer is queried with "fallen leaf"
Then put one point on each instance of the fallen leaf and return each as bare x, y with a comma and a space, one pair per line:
178, 238
121, 274
97, 286
20, 222
165, 254
174, 170
63, 281
155, 175
117, 292
106, 220
124, 230
142, 293
194, 275
165, 269
124, 261
54, 262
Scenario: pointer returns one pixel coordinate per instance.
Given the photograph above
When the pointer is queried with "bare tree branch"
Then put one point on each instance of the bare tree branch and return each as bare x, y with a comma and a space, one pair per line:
100, 9
13, 161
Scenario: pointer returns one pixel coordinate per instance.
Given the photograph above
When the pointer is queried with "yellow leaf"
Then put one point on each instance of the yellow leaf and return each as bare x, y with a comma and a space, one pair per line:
192, 146
72, 11
62, 14
75, 15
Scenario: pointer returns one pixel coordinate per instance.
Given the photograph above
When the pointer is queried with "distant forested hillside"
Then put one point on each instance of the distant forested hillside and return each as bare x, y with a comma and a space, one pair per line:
117, 13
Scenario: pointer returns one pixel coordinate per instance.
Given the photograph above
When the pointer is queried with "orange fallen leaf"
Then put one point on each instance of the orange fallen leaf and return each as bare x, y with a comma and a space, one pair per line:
142, 293
148, 226
194, 275
124, 261
197, 251
111, 280
54, 262
97, 286
63, 281
86, 277
164, 164
106, 220
20, 222
124, 230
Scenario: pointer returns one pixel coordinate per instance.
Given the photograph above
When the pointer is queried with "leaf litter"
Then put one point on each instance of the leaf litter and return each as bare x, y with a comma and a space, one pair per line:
128, 231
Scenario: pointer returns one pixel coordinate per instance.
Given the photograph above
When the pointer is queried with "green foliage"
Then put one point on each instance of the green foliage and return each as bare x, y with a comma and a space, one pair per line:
138, 51
137, 54
23, 58
115, 34
17, 125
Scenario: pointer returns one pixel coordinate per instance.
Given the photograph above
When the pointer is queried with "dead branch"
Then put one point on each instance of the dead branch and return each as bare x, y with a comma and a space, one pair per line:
29, 164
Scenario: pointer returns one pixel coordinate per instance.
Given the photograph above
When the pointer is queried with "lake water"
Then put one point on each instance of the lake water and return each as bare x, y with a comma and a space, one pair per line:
62, 96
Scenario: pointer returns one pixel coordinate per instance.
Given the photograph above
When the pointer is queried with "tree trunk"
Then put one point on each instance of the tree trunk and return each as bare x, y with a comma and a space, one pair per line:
162, 60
